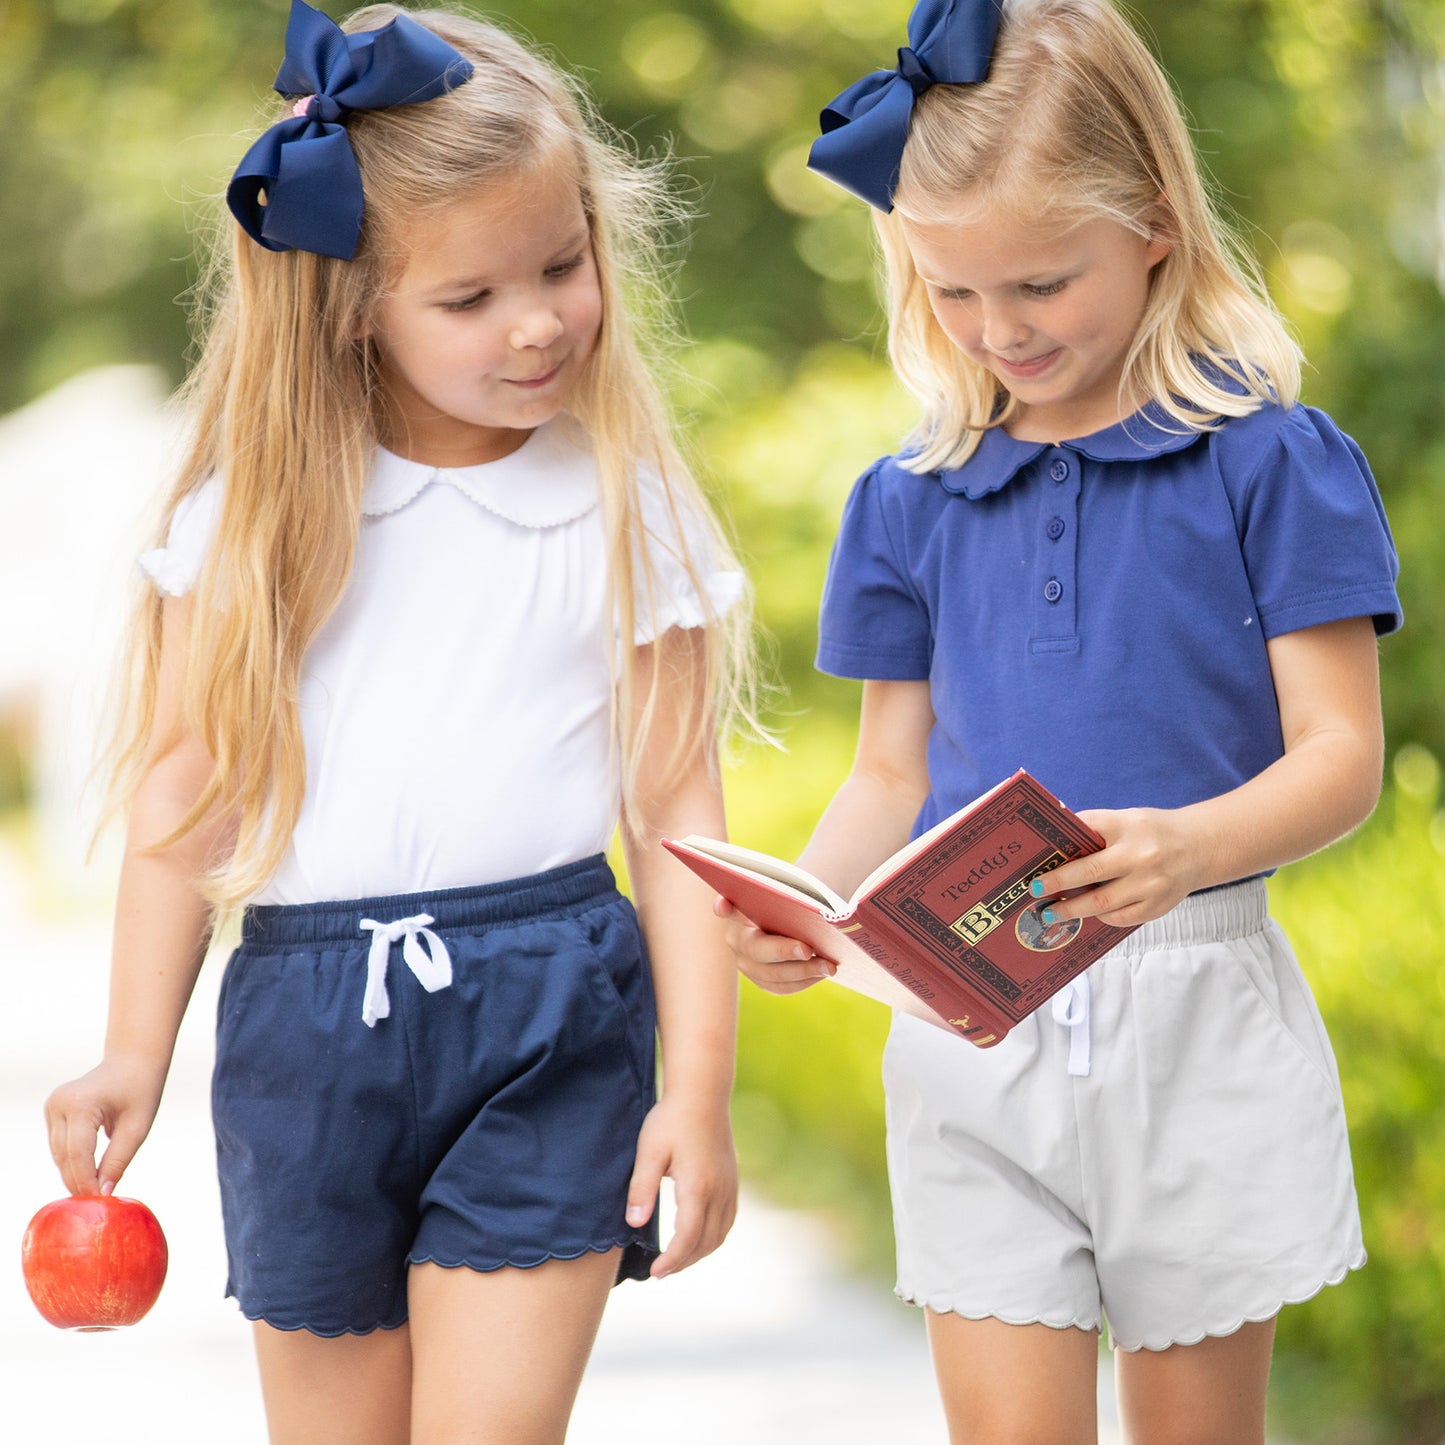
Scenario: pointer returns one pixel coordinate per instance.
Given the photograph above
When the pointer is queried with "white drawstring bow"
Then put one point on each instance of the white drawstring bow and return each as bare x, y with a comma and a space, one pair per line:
1071, 1010
431, 965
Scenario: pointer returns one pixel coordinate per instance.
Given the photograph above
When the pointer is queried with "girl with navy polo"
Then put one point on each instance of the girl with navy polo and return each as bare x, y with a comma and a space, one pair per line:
435, 602
1120, 552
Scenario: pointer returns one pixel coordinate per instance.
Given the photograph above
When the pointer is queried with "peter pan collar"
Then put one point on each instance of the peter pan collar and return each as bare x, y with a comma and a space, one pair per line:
999, 459
551, 479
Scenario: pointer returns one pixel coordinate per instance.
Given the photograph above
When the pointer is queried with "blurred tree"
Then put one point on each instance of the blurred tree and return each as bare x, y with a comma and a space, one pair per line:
1367, 1361
120, 111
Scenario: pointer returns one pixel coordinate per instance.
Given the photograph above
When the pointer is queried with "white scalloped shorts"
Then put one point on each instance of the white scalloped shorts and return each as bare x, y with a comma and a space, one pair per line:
1196, 1177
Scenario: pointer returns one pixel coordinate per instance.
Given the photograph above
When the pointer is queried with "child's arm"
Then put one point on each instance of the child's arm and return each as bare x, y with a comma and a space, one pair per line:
870, 817
161, 928
688, 1134
1327, 685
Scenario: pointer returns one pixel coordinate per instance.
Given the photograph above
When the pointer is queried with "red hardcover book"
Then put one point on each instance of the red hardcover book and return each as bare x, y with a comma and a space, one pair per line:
946, 929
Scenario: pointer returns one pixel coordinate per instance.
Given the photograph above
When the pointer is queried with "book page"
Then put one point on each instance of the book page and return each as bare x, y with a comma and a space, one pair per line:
906, 854
764, 865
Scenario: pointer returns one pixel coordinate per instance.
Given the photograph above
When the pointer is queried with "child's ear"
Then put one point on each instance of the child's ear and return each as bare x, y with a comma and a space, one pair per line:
1163, 229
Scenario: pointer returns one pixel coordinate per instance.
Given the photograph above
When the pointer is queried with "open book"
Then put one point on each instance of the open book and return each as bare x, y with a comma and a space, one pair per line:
946, 929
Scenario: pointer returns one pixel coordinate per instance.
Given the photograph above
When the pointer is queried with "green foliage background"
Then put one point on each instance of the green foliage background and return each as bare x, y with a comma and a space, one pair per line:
1323, 123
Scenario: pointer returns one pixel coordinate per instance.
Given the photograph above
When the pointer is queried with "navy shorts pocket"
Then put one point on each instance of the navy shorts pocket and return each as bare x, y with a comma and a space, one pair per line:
622, 976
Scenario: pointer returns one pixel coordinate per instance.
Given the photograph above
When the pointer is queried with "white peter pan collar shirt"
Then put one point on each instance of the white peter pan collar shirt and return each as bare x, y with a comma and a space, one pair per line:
455, 707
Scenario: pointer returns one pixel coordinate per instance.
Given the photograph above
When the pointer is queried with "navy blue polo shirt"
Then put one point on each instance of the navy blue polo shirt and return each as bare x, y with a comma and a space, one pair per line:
1097, 611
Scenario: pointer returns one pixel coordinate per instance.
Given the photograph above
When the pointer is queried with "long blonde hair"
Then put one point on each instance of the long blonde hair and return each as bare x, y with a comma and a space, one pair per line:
1076, 121
285, 403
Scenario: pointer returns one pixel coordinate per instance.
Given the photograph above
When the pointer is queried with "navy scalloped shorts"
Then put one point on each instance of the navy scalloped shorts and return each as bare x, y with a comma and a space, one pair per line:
457, 1077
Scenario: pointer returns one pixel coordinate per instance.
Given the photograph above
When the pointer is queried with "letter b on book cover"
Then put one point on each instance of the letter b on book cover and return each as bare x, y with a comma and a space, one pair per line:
975, 924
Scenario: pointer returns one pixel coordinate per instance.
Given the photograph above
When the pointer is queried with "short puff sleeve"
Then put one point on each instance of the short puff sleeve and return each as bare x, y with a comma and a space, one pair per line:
1312, 527
873, 623
175, 567
672, 532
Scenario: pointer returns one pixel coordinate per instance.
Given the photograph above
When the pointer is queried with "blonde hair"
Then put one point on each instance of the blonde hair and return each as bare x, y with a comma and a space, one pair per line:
286, 405
1077, 121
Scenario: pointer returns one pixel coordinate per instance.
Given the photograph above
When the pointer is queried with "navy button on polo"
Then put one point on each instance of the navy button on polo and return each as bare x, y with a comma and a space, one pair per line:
1053, 590
1055, 528
1059, 471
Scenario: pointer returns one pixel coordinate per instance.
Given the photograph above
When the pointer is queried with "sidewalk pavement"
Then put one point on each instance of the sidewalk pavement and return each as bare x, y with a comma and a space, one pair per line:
766, 1341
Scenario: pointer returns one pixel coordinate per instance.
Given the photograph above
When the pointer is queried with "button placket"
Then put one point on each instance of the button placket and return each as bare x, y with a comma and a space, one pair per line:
1055, 610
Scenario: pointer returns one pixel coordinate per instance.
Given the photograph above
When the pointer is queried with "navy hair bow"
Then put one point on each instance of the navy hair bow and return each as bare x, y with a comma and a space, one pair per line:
304, 164
950, 42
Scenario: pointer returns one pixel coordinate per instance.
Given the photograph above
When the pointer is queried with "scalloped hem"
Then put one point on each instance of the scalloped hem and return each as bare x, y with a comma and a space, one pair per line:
1253, 1316
629, 1244
1155, 1343
947, 1307
260, 1319
638, 1252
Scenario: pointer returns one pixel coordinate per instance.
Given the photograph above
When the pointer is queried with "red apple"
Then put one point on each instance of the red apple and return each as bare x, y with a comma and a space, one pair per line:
94, 1261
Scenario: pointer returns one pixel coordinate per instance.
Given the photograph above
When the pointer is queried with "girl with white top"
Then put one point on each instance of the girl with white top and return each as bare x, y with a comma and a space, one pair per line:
436, 603
1121, 553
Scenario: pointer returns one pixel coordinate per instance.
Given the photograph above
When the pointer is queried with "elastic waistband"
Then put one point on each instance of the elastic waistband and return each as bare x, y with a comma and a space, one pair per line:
1214, 916
558, 890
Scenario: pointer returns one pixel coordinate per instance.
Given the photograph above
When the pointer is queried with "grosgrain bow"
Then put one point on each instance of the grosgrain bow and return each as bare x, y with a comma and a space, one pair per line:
950, 42
304, 164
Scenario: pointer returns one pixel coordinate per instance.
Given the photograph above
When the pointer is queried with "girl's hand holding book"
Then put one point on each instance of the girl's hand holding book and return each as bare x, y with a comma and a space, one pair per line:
777, 965
1151, 861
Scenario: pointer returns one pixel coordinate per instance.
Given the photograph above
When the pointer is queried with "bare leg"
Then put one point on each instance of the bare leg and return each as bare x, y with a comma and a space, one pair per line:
1212, 1393
351, 1390
498, 1357
1030, 1384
